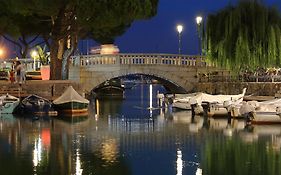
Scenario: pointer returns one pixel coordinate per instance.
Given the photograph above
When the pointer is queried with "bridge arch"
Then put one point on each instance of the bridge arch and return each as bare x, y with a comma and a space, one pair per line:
168, 85
176, 70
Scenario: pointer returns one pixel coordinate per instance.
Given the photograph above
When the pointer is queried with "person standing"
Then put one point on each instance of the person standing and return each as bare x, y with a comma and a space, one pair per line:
19, 72
12, 75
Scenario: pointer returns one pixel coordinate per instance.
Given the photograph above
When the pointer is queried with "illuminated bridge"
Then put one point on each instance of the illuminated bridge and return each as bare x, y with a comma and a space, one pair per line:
178, 73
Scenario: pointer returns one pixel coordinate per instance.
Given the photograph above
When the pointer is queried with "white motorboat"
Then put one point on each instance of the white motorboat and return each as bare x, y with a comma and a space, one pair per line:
265, 112
182, 101
8, 104
216, 104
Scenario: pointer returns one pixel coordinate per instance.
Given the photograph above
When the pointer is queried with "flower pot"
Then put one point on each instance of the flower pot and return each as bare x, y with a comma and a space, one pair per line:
45, 72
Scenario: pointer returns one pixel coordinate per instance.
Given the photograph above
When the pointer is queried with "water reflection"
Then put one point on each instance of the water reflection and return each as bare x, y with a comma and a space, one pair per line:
179, 162
123, 138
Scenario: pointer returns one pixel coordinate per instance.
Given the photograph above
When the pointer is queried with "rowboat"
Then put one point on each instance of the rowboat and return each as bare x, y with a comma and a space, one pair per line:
34, 104
8, 104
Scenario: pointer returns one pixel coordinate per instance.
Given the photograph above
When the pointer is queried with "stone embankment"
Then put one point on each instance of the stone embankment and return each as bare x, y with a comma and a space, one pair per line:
253, 88
49, 89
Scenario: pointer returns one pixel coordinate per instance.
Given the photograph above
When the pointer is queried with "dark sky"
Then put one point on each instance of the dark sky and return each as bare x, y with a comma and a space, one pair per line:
159, 34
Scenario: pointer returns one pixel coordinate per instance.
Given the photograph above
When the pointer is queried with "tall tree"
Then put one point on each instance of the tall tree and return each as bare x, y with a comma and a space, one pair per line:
246, 35
71, 19
23, 30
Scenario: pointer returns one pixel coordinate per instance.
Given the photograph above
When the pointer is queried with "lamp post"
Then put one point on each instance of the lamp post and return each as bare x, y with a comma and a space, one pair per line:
179, 29
199, 20
34, 54
1, 52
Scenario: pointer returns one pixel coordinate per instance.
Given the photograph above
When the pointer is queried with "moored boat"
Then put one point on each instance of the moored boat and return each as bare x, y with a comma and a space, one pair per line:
215, 105
265, 112
8, 104
71, 103
217, 102
182, 101
34, 104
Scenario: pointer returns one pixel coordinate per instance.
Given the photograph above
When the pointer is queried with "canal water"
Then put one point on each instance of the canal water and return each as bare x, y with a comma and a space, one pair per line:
133, 136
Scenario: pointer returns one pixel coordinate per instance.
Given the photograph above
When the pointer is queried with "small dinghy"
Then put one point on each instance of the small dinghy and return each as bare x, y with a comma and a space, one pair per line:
34, 104
8, 104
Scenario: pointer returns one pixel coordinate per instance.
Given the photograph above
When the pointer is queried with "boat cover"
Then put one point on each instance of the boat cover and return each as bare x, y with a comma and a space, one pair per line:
203, 97
264, 106
70, 95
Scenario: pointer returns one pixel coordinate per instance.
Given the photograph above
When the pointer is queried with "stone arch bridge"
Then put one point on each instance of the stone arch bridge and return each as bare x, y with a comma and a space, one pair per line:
179, 73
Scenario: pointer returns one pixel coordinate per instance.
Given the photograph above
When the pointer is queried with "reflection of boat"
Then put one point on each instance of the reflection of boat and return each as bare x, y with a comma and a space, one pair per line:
34, 104
182, 117
8, 103
71, 103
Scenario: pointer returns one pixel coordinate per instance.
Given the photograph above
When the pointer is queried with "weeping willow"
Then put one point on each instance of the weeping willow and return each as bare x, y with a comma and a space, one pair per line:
244, 36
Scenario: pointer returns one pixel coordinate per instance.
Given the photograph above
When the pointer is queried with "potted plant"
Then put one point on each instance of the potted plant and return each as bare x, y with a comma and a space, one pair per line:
43, 57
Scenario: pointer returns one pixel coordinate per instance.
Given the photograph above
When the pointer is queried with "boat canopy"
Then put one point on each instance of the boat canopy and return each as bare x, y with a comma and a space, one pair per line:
70, 95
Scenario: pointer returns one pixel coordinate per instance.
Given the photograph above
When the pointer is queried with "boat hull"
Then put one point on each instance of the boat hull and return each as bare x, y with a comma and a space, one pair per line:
35, 105
72, 108
182, 105
9, 108
262, 118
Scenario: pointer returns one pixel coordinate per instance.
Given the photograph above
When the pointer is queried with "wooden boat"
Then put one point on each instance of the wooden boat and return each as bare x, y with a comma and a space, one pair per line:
71, 103
8, 104
34, 104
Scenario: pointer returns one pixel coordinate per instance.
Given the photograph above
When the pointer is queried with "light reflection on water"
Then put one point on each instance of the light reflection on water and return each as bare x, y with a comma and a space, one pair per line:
133, 136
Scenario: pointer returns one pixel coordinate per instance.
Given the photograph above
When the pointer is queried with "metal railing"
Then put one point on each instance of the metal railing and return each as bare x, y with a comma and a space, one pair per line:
139, 59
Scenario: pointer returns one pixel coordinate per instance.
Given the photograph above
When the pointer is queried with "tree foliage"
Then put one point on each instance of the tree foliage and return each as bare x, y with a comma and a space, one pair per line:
68, 20
245, 36
23, 30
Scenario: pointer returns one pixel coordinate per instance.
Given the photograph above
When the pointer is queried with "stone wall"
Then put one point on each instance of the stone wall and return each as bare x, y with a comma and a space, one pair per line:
48, 89
254, 88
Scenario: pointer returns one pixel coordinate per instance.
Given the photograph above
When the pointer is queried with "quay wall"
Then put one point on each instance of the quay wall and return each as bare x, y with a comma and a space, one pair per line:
253, 88
50, 89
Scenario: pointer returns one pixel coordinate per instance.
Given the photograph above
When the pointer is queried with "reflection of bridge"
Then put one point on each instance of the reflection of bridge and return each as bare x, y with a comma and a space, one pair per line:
177, 72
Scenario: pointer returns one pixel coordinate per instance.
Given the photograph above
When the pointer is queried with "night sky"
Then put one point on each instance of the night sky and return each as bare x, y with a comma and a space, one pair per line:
159, 34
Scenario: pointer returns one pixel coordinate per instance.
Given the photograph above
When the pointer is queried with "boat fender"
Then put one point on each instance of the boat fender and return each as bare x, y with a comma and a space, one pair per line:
278, 111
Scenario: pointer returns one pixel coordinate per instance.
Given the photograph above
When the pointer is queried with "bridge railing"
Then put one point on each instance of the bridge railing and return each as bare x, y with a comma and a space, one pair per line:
139, 59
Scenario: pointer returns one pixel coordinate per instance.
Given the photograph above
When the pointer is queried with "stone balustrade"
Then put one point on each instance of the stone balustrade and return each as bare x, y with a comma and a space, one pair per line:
139, 59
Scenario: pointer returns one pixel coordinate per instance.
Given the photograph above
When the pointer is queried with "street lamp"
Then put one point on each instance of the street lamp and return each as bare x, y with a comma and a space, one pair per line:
1, 52
199, 20
179, 29
34, 54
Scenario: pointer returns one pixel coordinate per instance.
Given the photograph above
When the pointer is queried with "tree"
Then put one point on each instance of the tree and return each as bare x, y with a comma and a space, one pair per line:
23, 30
246, 35
69, 20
